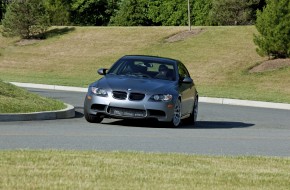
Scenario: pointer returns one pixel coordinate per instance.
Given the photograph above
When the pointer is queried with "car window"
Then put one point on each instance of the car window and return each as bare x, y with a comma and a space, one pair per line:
182, 71
143, 68
117, 67
155, 70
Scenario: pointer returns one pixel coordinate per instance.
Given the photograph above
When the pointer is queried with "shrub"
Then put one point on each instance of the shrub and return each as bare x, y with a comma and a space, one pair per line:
168, 13
25, 18
131, 13
147, 13
273, 25
90, 12
201, 10
58, 11
233, 12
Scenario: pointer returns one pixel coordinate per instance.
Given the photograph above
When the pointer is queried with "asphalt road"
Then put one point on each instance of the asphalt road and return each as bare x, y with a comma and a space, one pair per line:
221, 130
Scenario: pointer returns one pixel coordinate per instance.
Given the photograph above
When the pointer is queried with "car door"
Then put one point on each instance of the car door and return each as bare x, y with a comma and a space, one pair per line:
186, 90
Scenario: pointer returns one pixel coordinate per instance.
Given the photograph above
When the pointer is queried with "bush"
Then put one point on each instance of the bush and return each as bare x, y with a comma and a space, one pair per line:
273, 25
168, 13
131, 13
147, 13
90, 12
233, 12
2, 9
58, 11
201, 10
25, 18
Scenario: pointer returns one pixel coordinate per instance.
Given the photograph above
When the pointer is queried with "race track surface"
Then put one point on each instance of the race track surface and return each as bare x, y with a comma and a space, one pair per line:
221, 130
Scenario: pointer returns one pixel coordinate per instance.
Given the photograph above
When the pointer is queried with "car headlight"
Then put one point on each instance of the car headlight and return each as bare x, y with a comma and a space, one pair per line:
99, 91
161, 97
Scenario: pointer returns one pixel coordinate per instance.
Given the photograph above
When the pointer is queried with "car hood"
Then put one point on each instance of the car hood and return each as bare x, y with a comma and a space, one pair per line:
135, 84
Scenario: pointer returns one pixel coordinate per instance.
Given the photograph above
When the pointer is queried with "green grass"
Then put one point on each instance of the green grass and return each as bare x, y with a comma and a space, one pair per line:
218, 58
130, 170
17, 100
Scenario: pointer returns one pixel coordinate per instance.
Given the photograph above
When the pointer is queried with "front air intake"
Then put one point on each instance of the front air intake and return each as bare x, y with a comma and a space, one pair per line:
119, 95
136, 96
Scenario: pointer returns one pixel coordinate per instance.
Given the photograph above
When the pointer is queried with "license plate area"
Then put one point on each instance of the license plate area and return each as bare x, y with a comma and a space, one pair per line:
123, 112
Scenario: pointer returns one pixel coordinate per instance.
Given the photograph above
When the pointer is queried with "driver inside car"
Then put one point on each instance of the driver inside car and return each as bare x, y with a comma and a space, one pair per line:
163, 72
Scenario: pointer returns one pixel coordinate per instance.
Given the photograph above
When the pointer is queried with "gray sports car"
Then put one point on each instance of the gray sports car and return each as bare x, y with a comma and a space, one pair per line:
143, 87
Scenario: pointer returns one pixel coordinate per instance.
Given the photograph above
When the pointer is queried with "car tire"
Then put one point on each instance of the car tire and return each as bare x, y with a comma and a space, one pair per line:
193, 116
93, 118
176, 120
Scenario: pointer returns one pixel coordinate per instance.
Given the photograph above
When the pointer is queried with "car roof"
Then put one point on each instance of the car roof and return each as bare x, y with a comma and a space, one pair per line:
150, 58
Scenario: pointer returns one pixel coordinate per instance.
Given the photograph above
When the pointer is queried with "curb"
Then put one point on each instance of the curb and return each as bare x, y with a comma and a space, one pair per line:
50, 87
223, 101
248, 103
66, 113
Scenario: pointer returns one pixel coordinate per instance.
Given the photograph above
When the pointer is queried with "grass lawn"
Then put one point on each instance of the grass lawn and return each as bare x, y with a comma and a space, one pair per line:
129, 170
17, 100
218, 58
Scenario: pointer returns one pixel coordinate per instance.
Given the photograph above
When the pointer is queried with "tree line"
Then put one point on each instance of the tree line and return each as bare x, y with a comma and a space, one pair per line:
146, 12
31, 18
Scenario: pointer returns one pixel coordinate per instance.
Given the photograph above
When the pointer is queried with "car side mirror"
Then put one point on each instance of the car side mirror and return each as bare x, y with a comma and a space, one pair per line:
187, 80
102, 71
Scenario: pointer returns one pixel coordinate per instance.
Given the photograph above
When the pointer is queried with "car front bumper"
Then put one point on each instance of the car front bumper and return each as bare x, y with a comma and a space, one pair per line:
128, 109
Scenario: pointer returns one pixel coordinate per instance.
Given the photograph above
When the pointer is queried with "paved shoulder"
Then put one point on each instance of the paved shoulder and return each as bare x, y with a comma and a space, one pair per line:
69, 112
201, 99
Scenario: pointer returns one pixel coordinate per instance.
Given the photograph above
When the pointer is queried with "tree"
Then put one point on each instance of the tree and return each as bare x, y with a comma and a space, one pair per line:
25, 18
90, 12
132, 13
3, 5
59, 11
113, 7
201, 10
233, 12
168, 13
1, 9
273, 25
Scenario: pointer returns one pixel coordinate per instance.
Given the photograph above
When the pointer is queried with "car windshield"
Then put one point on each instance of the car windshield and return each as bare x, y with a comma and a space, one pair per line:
144, 68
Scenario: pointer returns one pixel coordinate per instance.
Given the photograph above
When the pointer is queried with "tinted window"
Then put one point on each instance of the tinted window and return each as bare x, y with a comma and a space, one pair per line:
182, 71
139, 67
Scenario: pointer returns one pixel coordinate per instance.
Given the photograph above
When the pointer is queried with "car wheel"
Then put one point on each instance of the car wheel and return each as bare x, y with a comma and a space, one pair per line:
193, 116
195, 110
176, 120
93, 118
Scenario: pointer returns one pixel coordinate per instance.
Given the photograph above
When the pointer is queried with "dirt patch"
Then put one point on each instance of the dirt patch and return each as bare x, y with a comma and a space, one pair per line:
183, 35
25, 42
271, 65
